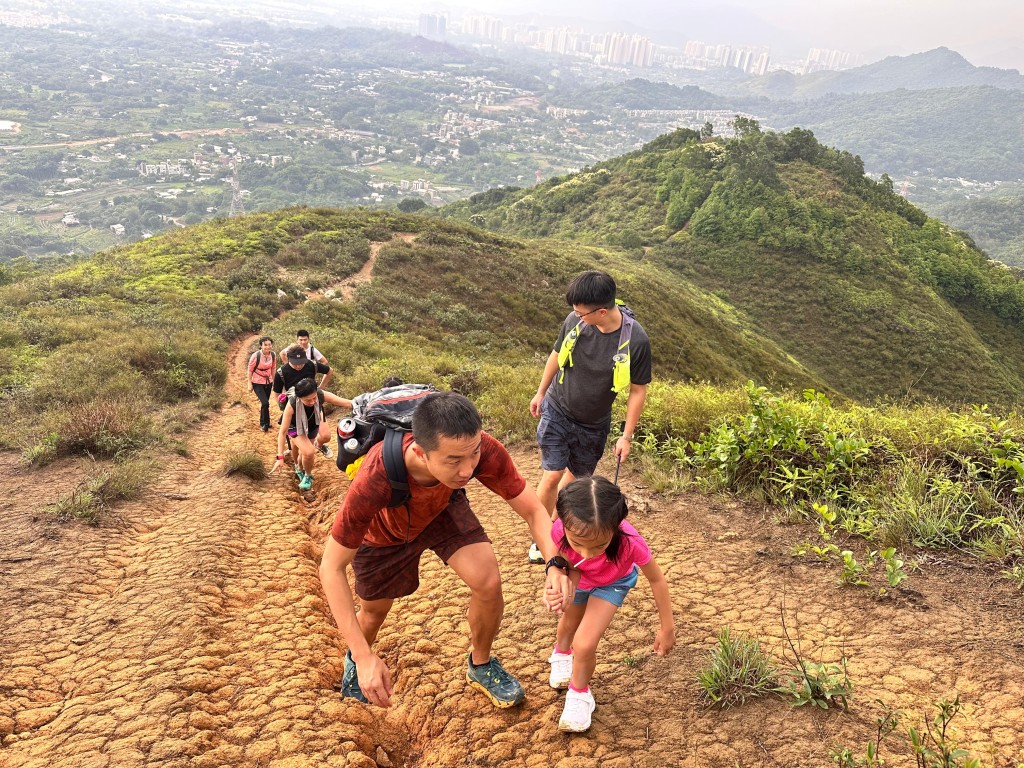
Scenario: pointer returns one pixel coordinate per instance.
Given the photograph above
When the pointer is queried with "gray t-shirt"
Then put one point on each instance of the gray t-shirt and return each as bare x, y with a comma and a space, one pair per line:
585, 395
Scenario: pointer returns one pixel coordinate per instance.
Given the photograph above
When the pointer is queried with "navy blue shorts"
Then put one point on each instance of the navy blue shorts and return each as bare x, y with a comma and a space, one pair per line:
564, 444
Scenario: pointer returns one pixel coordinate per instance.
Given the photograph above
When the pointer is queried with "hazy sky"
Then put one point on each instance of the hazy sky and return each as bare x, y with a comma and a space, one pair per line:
987, 32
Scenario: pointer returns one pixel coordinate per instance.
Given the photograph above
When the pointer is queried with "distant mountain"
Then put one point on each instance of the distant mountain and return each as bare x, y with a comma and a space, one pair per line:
858, 286
972, 132
636, 94
995, 223
938, 68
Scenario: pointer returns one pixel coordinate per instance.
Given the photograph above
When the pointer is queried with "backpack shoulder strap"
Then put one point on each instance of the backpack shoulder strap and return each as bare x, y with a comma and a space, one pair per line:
626, 329
621, 360
394, 465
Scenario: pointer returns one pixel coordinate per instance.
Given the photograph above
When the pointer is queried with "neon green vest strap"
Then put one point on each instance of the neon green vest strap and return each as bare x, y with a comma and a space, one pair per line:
565, 352
620, 361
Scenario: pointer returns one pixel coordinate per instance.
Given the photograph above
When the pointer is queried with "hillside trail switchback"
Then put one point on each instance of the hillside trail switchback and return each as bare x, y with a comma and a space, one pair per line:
188, 629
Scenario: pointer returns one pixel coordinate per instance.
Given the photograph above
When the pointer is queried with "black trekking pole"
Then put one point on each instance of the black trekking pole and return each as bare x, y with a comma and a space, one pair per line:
618, 464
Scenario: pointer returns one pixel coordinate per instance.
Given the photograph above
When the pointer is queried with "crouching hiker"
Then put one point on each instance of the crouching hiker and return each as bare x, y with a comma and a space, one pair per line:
444, 452
303, 423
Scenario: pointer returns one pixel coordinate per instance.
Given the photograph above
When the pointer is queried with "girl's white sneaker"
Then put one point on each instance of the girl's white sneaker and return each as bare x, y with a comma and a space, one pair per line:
561, 670
578, 709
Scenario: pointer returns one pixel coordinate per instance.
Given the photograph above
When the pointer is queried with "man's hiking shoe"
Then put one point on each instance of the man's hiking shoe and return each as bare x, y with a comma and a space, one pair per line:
534, 555
325, 449
501, 688
306, 482
561, 670
299, 472
350, 681
264, 428
576, 714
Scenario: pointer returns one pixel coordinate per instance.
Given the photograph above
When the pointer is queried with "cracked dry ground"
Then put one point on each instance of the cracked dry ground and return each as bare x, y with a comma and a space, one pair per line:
188, 629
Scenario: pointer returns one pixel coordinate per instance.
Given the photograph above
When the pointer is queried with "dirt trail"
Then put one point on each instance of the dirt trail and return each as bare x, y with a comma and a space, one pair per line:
345, 289
188, 629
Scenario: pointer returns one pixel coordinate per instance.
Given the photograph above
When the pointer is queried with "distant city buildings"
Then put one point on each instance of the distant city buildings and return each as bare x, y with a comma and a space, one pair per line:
485, 27
166, 168
623, 50
826, 59
433, 26
616, 48
457, 125
754, 60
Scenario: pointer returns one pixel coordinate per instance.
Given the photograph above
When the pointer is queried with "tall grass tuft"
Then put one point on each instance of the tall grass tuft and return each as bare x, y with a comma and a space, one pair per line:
247, 463
87, 502
737, 670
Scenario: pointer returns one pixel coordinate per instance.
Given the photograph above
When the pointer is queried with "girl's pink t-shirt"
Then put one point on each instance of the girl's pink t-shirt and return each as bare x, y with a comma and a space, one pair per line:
600, 571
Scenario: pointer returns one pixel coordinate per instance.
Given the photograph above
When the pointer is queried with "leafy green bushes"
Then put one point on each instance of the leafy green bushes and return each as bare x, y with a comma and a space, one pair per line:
924, 477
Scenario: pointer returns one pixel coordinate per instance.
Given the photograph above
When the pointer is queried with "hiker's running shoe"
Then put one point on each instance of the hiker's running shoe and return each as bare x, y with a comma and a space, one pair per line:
534, 555
306, 482
576, 714
561, 670
299, 472
350, 681
325, 450
501, 688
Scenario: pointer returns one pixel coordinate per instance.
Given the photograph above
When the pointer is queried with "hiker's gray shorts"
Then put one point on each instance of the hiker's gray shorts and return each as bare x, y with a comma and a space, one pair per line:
565, 444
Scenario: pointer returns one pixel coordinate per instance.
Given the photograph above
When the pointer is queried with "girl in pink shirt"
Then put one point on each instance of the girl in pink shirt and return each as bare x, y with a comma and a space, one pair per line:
605, 553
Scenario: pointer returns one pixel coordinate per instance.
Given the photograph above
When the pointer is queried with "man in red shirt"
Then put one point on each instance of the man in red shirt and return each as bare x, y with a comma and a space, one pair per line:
446, 449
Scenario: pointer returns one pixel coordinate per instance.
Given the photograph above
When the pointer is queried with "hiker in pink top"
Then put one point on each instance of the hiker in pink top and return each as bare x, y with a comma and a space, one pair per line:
604, 553
261, 377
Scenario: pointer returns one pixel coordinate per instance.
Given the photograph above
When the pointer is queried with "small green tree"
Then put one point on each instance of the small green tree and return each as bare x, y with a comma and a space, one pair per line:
411, 205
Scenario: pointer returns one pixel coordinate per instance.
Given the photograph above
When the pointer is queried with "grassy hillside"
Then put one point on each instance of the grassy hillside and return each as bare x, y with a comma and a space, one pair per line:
861, 287
116, 352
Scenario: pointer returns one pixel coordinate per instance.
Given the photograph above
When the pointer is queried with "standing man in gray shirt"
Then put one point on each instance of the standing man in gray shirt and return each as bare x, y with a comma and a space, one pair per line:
601, 350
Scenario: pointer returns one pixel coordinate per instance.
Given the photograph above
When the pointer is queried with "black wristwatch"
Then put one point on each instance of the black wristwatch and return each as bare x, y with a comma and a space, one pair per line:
558, 562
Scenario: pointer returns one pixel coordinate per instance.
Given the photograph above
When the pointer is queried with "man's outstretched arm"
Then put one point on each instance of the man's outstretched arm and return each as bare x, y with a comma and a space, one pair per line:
374, 676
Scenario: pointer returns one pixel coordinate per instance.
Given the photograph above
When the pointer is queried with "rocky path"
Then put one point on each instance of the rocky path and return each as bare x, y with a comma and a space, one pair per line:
189, 629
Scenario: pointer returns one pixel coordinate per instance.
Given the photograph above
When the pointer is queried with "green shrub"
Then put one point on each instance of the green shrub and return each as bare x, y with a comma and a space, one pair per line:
105, 427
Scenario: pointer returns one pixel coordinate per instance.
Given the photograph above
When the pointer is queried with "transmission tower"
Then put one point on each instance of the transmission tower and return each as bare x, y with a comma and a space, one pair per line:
237, 204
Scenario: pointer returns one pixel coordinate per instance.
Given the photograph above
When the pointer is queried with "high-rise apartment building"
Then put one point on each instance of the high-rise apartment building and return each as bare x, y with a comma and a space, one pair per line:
822, 59
433, 26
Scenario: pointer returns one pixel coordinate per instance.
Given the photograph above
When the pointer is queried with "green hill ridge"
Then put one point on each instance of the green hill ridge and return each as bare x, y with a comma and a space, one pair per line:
848, 278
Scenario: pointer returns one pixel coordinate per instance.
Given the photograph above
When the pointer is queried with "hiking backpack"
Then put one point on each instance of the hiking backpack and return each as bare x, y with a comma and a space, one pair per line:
382, 415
